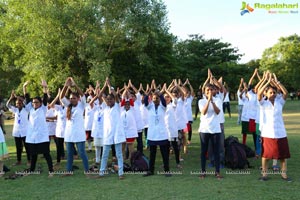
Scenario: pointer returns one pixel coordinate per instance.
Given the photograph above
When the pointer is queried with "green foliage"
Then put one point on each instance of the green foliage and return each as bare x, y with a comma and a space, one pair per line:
197, 54
284, 60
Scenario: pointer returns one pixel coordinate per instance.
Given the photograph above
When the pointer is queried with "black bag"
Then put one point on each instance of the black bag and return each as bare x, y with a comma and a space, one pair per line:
139, 162
235, 154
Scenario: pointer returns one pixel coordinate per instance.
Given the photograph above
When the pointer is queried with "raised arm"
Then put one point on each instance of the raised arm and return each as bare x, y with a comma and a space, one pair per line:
252, 77
65, 88
55, 99
12, 96
77, 88
266, 82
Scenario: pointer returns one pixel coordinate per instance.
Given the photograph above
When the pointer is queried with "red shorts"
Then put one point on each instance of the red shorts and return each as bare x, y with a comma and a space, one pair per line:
252, 126
130, 140
277, 148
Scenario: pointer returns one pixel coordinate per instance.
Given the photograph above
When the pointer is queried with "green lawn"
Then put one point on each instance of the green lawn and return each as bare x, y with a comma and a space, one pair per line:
181, 186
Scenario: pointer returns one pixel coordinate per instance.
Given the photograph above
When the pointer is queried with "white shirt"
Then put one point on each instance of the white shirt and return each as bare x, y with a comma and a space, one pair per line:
51, 125
88, 117
226, 98
188, 107
74, 131
221, 115
129, 123
97, 128
157, 127
21, 121
113, 132
181, 119
61, 121
2, 138
144, 113
169, 120
245, 117
137, 113
209, 123
37, 127
271, 118
252, 105
240, 101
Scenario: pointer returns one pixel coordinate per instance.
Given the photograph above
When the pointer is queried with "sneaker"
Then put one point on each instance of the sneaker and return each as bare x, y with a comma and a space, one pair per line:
148, 174
287, 179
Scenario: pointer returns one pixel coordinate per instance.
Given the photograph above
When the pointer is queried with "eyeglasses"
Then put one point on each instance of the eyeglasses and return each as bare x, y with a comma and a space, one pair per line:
35, 102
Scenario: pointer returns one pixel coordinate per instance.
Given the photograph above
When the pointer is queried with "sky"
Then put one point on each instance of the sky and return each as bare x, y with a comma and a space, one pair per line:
251, 33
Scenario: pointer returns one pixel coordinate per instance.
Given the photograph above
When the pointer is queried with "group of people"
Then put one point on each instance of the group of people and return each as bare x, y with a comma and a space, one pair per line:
115, 119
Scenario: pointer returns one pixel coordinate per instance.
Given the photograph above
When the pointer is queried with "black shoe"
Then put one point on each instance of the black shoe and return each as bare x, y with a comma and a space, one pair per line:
148, 174
263, 178
287, 179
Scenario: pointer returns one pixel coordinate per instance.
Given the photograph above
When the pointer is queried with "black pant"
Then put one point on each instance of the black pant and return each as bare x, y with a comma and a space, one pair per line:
48, 158
176, 150
226, 105
146, 133
205, 138
190, 130
60, 149
164, 150
139, 140
20, 141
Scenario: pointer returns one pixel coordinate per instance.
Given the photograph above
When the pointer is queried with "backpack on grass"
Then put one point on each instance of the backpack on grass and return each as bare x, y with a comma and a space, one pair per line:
236, 155
139, 162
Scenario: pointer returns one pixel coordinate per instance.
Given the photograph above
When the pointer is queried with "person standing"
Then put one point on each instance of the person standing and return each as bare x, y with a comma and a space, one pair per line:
113, 132
240, 102
74, 132
209, 129
20, 126
157, 133
273, 133
37, 137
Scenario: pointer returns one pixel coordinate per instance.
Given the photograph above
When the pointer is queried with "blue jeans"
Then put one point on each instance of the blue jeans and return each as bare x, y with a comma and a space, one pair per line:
82, 153
106, 150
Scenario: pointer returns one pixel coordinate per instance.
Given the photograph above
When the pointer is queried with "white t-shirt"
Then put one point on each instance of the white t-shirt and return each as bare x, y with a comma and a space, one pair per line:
271, 118
188, 107
2, 138
221, 115
180, 114
88, 117
97, 129
210, 122
113, 131
157, 127
21, 121
61, 121
37, 127
169, 120
129, 123
240, 101
252, 105
51, 125
75, 131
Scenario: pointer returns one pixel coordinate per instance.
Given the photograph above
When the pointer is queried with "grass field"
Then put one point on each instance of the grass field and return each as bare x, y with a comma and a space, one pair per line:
186, 185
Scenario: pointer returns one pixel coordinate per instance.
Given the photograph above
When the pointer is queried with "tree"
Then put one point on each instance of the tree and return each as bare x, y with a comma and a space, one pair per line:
88, 40
283, 59
196, 54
